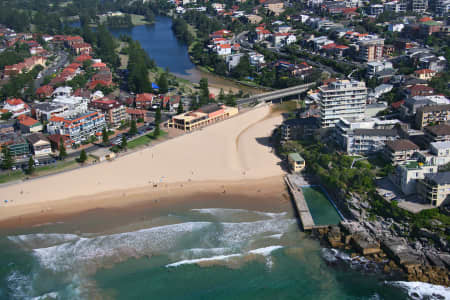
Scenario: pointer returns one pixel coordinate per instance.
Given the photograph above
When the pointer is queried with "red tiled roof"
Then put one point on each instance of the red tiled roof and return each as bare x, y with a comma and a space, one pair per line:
145, 97
28, 121
15, 101
424, 71
45, 89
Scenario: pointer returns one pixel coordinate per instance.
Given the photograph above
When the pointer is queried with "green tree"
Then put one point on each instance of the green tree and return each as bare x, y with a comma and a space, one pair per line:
30, 169
62, 150
83, 156
156, 131
163, 83
180, 109
158, 116
8, 160
124, 143
204, 90
133, 128
105, 136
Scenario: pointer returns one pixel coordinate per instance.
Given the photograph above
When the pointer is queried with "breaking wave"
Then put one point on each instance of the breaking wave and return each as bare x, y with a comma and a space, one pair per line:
421, 290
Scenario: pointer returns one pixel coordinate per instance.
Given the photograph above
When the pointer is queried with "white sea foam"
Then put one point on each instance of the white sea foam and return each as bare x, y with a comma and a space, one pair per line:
421, 290
19, 284
48, 296
266, 250
275, 236
42, 240
229, 212
206, 259
90, 253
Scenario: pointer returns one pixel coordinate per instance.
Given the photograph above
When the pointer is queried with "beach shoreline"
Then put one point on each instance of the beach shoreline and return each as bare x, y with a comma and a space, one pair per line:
234, 152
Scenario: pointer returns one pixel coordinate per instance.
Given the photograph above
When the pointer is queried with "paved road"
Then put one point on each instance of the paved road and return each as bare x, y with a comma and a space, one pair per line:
62, 60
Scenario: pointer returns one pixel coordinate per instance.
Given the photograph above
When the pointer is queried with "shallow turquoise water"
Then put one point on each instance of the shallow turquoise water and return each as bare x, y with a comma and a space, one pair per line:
322, 211
196, 254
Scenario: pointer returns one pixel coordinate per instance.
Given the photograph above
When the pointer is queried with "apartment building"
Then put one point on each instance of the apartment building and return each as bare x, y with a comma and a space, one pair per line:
371, 48
400, 150
418, 6
341, 99
114, 112
435, 188
408, 174
78, 128
437, 133
364, 136
441, 152
434, 114
205, 115
299, 128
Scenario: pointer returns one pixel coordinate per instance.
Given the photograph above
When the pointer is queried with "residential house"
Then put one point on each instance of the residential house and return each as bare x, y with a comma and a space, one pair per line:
375, 67
28, 124
223, 49
17, 107
275, 6
7, 127
39, 144
441, 152
139, 114
399, 150
44, 92
23, 67
419, 90
425, 74
144, 101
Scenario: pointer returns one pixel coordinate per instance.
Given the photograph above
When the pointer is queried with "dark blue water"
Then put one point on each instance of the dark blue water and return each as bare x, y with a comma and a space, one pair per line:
161, 45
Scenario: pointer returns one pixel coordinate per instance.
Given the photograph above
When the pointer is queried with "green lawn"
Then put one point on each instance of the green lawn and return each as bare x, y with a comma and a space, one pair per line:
11, 176
144, 140
53, 168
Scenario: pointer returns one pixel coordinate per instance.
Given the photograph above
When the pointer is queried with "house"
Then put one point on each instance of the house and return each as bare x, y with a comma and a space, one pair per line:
424, 74
435, 188
399, 150
419, 90
223, 49
375, 67
28, 124
296, 162
7, 127
144, 101
39, 144
256, 59
23, 67
44, 92
275, 6
17, 107
438, 133
233, 60
139, 114
82, 58
62, 91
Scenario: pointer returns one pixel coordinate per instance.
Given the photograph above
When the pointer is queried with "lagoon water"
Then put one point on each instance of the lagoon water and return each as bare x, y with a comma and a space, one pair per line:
209, 253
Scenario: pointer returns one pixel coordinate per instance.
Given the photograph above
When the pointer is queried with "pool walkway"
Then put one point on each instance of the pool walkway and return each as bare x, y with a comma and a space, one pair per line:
301, 206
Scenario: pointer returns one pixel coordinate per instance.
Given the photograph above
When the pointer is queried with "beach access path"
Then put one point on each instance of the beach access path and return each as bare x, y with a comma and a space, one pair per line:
232, 150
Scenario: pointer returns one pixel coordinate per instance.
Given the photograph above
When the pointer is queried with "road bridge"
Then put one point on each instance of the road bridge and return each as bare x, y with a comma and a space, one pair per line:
277, 95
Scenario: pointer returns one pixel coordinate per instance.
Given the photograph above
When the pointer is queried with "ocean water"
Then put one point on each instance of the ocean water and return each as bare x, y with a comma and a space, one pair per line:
211, 253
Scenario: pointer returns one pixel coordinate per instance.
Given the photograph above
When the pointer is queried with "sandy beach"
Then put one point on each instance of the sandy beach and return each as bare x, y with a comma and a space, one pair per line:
229, 153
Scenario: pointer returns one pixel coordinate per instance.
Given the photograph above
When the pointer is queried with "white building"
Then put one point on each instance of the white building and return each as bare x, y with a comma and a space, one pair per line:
62, 91
396, 27
256, 59
395, 6
364, 136
375, 67
223, 49
233, 60
441, 152
75, 105
342, 99
408, 174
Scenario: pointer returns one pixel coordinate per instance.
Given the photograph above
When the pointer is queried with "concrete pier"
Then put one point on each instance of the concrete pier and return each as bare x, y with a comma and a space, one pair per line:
300, 203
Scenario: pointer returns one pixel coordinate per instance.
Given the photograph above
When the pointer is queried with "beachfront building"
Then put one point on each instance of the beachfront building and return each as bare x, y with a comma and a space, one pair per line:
299, 128
114, 112
205, 115
39, 144
366, 136
15, 143
296, 162
78, 128
342, 99
435, 188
